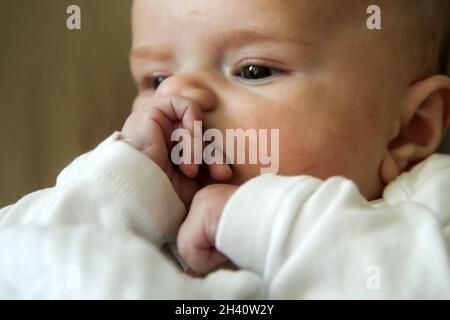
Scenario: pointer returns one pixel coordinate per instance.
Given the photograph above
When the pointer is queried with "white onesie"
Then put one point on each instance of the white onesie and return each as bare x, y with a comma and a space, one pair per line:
98, 234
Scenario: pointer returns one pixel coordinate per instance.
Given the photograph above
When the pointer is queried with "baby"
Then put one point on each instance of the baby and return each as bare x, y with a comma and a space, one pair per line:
365, 105
358, 208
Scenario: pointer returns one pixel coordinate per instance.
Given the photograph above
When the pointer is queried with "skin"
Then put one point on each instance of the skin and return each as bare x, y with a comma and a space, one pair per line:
322, 100
345, 100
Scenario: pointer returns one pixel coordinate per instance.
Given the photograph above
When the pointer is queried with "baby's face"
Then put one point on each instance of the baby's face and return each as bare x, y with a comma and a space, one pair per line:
309, 68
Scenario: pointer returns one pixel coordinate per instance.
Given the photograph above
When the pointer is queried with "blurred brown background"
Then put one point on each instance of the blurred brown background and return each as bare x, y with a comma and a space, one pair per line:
61, 91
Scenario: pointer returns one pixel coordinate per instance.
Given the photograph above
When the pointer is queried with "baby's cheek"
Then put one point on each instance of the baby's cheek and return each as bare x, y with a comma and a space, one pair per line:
320, 150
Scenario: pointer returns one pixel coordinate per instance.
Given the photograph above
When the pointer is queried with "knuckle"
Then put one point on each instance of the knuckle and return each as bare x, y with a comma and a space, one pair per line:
147, 116
182, 102
200, 197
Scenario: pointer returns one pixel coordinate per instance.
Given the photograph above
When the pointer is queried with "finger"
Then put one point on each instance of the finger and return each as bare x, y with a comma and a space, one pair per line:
181, 109
185, 112
196, 248
220, 171
227, 265
189, 168
203, 260
209, 260
143, 129
193, 274
141, 120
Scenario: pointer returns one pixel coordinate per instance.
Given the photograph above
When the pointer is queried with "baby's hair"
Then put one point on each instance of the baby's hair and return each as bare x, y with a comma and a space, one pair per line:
415, 32
432, 34
445, 57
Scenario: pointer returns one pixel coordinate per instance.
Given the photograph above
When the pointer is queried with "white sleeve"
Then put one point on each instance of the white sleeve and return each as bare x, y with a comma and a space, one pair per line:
114, 187
3, 211
318, 239
87, 262
97, 233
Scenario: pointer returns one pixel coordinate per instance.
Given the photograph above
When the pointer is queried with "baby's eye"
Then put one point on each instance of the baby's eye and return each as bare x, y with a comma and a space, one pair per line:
255, 72
158, 80
153, 82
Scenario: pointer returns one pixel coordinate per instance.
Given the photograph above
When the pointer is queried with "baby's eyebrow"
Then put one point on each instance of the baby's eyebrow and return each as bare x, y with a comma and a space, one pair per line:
144, 52
234, 38
229, 39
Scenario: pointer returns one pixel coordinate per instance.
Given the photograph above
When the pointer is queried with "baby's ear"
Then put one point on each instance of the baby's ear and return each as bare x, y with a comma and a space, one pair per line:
424, 120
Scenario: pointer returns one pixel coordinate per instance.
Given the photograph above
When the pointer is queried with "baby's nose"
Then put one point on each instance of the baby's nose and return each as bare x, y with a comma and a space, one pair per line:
188, 87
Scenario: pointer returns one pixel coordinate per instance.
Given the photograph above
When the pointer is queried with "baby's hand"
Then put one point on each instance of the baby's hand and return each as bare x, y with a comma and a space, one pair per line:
196, 237
149, 129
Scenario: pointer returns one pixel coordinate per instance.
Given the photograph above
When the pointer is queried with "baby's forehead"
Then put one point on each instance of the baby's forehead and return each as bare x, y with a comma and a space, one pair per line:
317, 10
315, 21
290, 17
